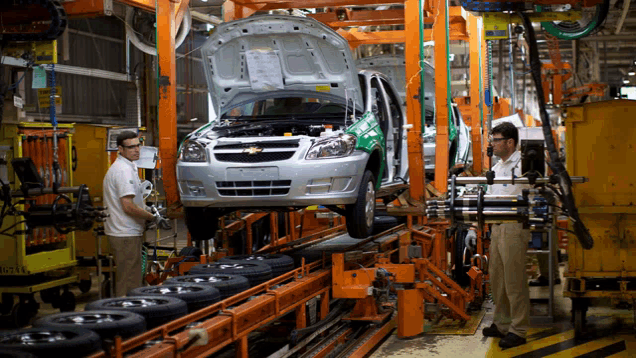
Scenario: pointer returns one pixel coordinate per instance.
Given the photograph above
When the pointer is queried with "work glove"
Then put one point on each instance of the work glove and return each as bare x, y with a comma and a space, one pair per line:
471, 240
159, 220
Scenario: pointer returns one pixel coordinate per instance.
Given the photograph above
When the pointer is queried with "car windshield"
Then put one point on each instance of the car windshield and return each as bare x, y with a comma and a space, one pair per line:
272, 108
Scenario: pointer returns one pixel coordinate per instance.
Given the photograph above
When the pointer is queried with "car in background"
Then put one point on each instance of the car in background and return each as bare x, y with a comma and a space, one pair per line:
297, 126
460, 147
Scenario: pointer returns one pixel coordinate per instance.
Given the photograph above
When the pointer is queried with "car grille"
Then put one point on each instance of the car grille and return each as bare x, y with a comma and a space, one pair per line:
253, 188
253, 158
262, 145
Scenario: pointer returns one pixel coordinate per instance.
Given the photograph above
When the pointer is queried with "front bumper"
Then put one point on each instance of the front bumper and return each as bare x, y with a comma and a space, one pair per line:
284, 183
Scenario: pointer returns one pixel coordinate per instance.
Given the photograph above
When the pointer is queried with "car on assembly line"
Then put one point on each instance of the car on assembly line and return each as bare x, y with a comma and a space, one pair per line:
298, 125
460, 145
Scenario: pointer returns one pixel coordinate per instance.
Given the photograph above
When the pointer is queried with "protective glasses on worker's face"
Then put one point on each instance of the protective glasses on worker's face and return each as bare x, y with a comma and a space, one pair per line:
131, 146
492, 139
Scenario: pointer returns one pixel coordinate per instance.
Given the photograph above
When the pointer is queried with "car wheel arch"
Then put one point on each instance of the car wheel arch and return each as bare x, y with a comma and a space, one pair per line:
374, 163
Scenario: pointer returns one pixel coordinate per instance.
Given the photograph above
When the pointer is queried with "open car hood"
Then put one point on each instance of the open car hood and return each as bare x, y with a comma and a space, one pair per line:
247, 58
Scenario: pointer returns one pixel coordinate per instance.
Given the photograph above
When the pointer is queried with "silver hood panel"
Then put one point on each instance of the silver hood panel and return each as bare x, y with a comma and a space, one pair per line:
312, 57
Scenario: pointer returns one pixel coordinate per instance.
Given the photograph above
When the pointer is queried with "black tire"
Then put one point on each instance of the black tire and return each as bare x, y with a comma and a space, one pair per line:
202, 223
191, 251
50, 295
107, 323
228, 285
14, 353
255, 272
360, 215
384, 223
66, 302
70, 342
279, 264
84, 286
156, 310
196, 296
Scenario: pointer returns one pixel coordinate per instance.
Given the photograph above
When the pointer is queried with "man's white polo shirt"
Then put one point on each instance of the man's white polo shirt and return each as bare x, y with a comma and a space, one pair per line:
503, 169
122, 179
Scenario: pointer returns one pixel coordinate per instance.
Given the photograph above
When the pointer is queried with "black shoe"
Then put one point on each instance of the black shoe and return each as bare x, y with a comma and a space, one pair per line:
493, 331
543, 281
511, 340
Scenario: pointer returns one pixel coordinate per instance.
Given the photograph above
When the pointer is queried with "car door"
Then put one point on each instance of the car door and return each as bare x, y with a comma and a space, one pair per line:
380, 109
396, 148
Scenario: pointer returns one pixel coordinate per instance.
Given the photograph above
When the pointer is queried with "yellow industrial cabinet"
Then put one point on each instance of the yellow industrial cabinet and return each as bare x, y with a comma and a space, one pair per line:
38, 260
601, 145
90, 167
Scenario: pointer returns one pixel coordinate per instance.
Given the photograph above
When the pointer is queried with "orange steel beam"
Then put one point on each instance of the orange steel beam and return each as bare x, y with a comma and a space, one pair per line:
476, 96
167, 114
148, 5
344, 18
311, 4
413, 106
441, 100
232, 10
86, 8
373, 340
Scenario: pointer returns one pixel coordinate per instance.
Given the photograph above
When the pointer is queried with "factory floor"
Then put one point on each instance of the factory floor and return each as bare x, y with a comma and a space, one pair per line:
612, 332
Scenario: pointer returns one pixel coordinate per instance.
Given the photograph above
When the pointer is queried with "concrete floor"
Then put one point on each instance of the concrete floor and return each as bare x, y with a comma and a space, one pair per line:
559, 334
609, 325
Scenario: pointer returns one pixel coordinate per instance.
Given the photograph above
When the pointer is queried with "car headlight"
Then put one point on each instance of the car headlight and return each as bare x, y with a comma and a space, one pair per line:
332, 147
192, 151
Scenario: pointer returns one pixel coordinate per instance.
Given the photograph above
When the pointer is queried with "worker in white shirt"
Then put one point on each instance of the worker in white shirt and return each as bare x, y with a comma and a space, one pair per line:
123, 196
508, 245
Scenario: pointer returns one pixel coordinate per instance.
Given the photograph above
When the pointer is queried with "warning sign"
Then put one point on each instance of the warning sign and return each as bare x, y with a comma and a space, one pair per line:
44, 96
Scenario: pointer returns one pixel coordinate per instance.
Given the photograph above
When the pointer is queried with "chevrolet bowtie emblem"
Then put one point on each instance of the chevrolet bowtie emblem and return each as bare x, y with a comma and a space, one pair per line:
252, 150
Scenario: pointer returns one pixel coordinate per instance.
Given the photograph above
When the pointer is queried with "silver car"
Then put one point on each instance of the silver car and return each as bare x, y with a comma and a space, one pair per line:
460, 146
298, 126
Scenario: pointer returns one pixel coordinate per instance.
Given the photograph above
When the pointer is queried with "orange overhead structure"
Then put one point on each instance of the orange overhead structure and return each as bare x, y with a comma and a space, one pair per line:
345, 17
476, 93
417, 180
167, 13
440, 36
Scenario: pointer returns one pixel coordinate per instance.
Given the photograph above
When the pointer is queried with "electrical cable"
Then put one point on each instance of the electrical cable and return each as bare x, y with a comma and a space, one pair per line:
583, 235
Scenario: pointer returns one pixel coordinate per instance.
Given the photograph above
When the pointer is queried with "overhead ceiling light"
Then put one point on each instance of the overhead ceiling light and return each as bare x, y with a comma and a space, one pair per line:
626, 81
631, 73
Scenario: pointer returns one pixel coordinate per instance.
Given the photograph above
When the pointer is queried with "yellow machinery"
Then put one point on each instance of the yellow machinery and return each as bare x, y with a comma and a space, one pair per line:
92, 163
40, 260
601, 145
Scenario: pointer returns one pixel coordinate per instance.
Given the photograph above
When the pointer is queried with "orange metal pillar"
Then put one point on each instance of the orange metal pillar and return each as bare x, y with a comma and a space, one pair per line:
440, 36
166, 11
557, 91
476, 98
413, 106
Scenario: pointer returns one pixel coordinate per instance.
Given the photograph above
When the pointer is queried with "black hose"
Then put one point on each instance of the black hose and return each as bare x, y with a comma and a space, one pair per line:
582, 233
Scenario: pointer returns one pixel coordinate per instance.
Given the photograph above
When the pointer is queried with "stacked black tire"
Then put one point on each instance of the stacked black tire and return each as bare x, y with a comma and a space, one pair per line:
279, 264
227, 285
157, 310
68, 342
255, 272
195, 296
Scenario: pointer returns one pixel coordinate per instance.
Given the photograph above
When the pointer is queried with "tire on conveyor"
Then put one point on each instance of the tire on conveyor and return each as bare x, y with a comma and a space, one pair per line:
255, 272
279, 264
228, 285
15, 353
52, 342
156, 310
106, 323
195, 296
384, 223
